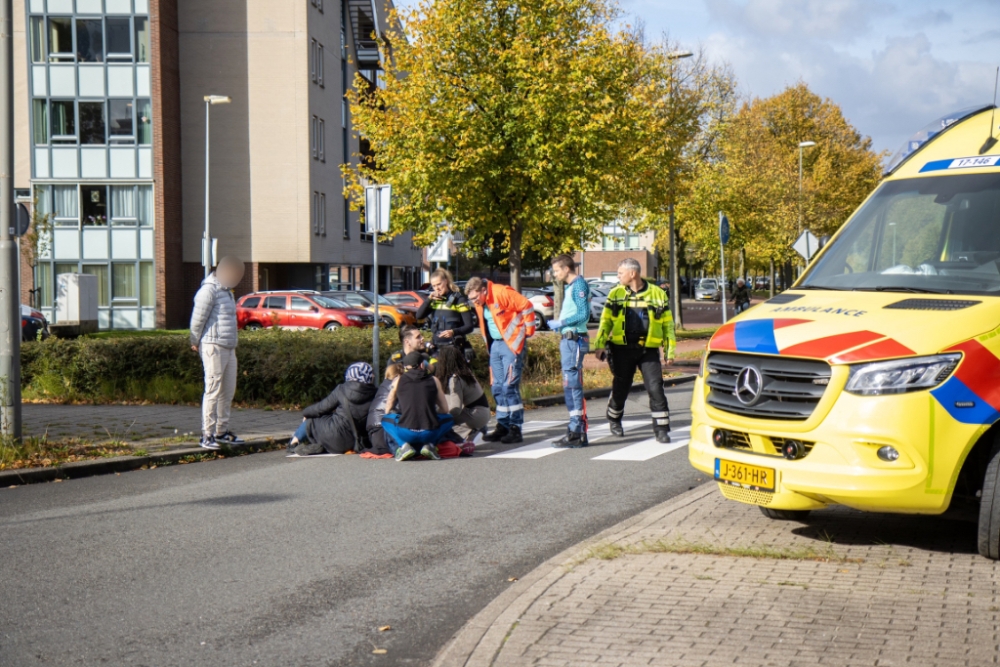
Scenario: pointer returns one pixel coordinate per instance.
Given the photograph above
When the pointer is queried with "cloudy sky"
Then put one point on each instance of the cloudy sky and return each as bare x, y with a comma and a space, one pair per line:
892, 65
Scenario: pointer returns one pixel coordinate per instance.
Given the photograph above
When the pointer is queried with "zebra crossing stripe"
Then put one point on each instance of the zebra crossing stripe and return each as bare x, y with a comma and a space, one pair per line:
545, 448
647, 449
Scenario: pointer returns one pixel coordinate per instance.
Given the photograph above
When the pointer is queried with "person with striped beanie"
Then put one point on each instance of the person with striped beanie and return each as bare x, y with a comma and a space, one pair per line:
336, 424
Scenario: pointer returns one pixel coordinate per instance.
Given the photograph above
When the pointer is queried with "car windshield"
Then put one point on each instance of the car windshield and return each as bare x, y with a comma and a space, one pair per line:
382, 301
939, 234
708, 284
327, 302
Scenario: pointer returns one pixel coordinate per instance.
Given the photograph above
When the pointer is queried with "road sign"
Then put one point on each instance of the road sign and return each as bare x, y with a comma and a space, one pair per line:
440, 250
806, 245
379, 209
22, 220
723, 228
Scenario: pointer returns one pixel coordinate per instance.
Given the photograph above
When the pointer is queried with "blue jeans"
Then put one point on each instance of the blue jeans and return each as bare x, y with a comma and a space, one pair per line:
403, 435
572, 352
506, 368
300, 432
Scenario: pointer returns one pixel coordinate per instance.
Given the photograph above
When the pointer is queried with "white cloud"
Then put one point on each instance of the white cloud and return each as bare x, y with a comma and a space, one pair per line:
841, 20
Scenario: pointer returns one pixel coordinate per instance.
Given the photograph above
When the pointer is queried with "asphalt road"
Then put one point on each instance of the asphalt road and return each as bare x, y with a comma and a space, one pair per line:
265, 560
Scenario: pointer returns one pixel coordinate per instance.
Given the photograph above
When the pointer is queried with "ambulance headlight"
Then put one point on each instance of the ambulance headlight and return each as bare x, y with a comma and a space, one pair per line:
901, 375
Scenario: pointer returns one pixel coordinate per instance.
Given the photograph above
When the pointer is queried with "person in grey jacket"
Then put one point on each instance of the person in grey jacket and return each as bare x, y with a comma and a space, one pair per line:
213, 334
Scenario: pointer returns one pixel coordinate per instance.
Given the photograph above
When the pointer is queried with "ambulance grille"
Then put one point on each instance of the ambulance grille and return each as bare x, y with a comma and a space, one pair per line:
791, 388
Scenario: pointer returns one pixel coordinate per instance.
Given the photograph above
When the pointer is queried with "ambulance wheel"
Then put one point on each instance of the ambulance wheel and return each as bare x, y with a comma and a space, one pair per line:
989, 508
784, 515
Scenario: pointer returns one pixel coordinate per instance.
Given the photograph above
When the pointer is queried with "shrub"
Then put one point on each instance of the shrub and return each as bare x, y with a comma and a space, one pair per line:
276, 367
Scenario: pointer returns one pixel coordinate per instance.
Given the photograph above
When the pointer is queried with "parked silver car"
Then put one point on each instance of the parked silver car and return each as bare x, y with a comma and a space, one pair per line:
598, 296
707, 289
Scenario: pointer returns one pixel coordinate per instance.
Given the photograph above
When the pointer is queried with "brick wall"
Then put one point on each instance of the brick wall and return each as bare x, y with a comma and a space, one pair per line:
597, 262
171, 309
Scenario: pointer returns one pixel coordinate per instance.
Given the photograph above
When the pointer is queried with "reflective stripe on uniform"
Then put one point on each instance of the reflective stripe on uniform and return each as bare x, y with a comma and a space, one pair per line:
660, 414
516, 343
615, 413
502, 409
576, 413
661, 422
515, 408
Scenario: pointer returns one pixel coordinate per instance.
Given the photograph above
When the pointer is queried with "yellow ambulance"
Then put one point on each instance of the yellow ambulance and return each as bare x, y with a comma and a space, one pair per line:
874, 382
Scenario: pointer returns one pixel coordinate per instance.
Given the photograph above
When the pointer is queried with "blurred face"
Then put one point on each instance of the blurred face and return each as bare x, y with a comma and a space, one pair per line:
230, 275
559, 272
440, 286
476, 296
625, 275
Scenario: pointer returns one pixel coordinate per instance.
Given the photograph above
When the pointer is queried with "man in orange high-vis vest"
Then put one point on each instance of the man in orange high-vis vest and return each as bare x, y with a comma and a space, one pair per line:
506, 320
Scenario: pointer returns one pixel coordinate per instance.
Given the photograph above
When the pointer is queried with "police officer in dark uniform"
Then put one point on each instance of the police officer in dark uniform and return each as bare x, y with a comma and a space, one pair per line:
449, 311
635, 324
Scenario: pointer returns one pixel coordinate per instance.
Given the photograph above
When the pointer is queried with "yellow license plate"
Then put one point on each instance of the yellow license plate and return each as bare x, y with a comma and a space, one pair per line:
747, 476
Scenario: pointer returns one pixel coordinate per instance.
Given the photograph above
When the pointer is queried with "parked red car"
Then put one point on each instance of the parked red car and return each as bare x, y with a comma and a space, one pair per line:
297, 310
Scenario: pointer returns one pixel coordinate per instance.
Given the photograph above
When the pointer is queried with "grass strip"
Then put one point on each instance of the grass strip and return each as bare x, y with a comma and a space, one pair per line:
611, 551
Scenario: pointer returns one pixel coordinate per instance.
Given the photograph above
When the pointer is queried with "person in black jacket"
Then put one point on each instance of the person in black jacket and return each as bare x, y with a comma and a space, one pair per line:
336, 424
449, 310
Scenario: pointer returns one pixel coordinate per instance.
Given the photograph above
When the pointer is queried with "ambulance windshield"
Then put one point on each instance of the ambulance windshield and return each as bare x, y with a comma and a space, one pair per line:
937, 235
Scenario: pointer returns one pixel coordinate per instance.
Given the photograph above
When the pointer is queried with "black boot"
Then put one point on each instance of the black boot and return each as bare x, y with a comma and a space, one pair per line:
616, 427
572, 440
497, 435
662, 434
513, 436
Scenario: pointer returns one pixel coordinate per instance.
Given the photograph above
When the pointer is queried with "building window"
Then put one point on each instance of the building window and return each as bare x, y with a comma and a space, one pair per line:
103, 282
144, 205
65, 206
40, 121
92, 123
145, 125
61, 40
89, 40
120, 121
37, 38
63, 117
315, 137
142, 40
147, 285
119, 39
322, 214
123, 282
94, 202
123, 211
44, 290
321, 140
312, 60
319, 65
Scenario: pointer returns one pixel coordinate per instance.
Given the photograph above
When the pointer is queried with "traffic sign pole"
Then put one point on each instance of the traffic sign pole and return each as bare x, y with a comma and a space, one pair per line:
723, 240
10, 298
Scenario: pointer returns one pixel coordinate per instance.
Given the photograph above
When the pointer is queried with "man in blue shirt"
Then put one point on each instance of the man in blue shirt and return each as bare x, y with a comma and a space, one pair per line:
575, 343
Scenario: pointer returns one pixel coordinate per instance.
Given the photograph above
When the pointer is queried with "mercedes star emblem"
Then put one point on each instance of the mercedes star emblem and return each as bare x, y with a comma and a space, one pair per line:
748, 385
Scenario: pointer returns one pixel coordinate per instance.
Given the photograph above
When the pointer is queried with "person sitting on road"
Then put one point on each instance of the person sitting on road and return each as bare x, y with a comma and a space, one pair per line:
741, 296
423, 411
466, 399
336, 424
381, 443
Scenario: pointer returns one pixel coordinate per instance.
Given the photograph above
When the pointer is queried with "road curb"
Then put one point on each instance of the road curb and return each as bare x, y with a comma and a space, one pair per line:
479, 641
559, 399
118, 464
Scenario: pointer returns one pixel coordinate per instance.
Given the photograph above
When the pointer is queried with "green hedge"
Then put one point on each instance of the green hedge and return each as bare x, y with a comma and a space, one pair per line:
276, 367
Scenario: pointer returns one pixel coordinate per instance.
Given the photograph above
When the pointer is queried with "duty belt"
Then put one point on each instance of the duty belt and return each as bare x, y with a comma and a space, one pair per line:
573, 335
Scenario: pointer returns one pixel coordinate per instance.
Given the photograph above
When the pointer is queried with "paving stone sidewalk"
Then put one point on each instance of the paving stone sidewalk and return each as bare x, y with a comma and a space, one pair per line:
168, 424
680, 587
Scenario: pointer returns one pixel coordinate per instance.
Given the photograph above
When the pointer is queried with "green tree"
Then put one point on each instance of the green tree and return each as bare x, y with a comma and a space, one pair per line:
538, 120
754, 178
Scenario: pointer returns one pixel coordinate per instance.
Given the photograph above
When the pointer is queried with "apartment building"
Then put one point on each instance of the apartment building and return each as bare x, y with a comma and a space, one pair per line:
600, 260
113, 135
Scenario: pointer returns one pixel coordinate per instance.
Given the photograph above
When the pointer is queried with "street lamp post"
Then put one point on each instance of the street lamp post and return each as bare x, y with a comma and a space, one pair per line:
206, 245
802, 145
10, 308
675, 287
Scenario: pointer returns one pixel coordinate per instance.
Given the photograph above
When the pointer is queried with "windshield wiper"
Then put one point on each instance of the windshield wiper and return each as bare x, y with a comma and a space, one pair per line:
822, 287
914, 290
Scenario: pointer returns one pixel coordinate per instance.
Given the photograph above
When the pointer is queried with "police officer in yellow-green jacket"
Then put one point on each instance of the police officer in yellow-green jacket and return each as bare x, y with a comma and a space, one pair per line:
635, 324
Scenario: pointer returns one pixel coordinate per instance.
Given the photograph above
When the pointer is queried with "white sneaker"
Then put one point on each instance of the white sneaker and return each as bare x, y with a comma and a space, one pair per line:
208, 442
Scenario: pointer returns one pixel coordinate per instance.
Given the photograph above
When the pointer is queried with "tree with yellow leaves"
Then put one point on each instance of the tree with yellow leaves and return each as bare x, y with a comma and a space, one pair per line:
755, 177
537, 120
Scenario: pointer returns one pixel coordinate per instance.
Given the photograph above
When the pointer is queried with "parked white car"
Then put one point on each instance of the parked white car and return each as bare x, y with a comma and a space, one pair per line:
543, 303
